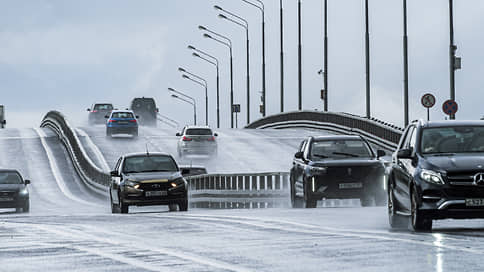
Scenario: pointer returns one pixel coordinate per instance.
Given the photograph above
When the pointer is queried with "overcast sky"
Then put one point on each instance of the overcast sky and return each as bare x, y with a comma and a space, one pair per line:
66, 55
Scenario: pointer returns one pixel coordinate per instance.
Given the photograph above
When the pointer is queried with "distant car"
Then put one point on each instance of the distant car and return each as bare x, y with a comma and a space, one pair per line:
98, 111
13, 191
144, 179
121, 122
437, 172
145, 108
336, 167
193, 170
197, 140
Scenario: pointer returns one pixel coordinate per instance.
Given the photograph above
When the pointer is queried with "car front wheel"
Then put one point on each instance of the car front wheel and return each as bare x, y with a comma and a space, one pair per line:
183, 205
26, 206
395, 220
296, 202
419, 222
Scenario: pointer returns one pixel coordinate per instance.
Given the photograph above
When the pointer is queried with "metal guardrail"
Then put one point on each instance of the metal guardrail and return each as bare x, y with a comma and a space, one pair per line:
86, 169
377, 132
242, 190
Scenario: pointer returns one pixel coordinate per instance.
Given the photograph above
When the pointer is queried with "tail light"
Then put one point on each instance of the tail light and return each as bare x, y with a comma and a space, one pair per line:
133, 120
212, 138
94, 110
112, 121
185, 138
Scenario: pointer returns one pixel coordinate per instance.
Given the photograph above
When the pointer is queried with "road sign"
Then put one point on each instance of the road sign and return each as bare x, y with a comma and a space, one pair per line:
450, 107
428, 100
236, 108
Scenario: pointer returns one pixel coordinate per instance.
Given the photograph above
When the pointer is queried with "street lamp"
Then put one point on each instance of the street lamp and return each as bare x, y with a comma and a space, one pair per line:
179, 95
214, 61
245, 25
262, 10
227, 43
299, 54
281, 20
367, 54
203, 84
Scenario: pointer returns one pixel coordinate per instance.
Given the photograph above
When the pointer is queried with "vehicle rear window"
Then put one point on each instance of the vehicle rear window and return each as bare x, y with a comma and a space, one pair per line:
198, 131
466, 139
122, 115
103, 107
149, 164
143, 103
338, 149
10, 178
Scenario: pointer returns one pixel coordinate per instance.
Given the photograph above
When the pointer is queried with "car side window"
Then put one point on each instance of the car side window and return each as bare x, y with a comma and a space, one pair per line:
302, 145
116, 168
407, 138
413, 139
404, 138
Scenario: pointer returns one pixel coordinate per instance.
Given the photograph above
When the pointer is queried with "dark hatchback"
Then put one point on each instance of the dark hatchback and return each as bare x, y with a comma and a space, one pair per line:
336, 167
145, 179
121, 122
437, 172
97, 113
145, 108
13, 191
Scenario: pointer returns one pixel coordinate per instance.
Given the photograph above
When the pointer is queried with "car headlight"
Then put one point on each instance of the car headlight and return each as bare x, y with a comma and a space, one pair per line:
24, 191
179, 182
431, 176
132, 183
315, 170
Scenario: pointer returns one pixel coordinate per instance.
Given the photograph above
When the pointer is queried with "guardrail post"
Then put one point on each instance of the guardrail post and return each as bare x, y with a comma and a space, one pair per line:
285, 181
270, 185
262, 183
278, 182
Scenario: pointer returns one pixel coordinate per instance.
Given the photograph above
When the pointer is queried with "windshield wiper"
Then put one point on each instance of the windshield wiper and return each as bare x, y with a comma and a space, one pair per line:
442, 154
129, 172
346, 154
320, 156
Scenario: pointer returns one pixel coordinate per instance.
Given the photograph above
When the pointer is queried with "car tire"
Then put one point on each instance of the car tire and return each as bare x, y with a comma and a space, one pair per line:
109, 133
418, 220
183, 205
123, 208
26, 206
308, 201
395, 220
114, 207
172, 207
296, 202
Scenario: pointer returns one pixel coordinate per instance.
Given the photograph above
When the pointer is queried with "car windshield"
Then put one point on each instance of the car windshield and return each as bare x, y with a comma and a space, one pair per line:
10, 178
442, 140
122, 115
339, 149
149, 164
103, 107
198, 131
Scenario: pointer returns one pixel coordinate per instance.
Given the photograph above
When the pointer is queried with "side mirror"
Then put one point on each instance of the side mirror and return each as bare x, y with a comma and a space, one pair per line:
114, 174
106, 116
380, 153
4, 122
27, 181
404, 153
178, 134
137, 116
215, 134
88, 109
185, 171
157, 110
299, 155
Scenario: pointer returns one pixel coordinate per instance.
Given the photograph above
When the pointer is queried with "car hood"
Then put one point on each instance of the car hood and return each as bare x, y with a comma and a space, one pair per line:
11, 187
153, 176
347, 162
455, 163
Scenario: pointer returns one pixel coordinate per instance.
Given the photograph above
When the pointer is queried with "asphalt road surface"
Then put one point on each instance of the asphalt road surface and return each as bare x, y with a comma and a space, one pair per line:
70, 227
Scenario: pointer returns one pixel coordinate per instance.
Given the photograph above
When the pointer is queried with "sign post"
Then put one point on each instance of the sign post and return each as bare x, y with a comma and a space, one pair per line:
2, 117
236, 109
428, 101
450, 107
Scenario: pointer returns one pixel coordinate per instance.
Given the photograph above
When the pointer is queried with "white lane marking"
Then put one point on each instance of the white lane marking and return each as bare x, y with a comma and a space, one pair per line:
95, 149
276, 224
56, 172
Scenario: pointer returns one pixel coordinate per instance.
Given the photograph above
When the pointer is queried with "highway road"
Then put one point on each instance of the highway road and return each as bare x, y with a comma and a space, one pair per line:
70, 227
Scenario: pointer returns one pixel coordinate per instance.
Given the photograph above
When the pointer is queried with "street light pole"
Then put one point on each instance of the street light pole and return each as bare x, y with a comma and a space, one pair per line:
405, 64
281, 18
192, 102
262, 9
325, 72
215, 62
299, 53
452, 50
367, 49
229, 45
245, 25
203, 84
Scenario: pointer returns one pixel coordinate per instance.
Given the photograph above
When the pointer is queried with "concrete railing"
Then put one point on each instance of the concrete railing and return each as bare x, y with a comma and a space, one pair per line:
375, 131
243, 190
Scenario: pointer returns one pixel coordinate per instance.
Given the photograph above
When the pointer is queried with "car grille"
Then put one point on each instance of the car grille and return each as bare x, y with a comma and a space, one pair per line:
7, 194
465, 192
162, 186
348, 173
462, 178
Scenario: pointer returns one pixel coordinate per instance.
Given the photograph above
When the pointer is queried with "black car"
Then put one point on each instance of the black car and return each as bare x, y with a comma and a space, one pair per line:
145, 179
437, 172
97, 113
145, 108
13, 191
336, 167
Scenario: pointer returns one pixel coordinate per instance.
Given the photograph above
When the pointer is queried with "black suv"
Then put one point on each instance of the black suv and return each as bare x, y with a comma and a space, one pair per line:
145, 108
437, 172
13, 191
337, 167
143, 179
98, 111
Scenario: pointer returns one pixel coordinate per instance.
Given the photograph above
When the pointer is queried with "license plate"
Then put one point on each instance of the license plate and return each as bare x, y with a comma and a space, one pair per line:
6, 199
123, 122
355, 185
156, 193
474, 202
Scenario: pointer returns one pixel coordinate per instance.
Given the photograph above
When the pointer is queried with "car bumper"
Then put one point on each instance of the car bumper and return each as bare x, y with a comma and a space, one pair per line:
140, 199
123, 130
17, 202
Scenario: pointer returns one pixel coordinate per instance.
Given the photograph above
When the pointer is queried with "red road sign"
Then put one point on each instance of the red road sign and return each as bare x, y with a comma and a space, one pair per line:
428, 100
450, 107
